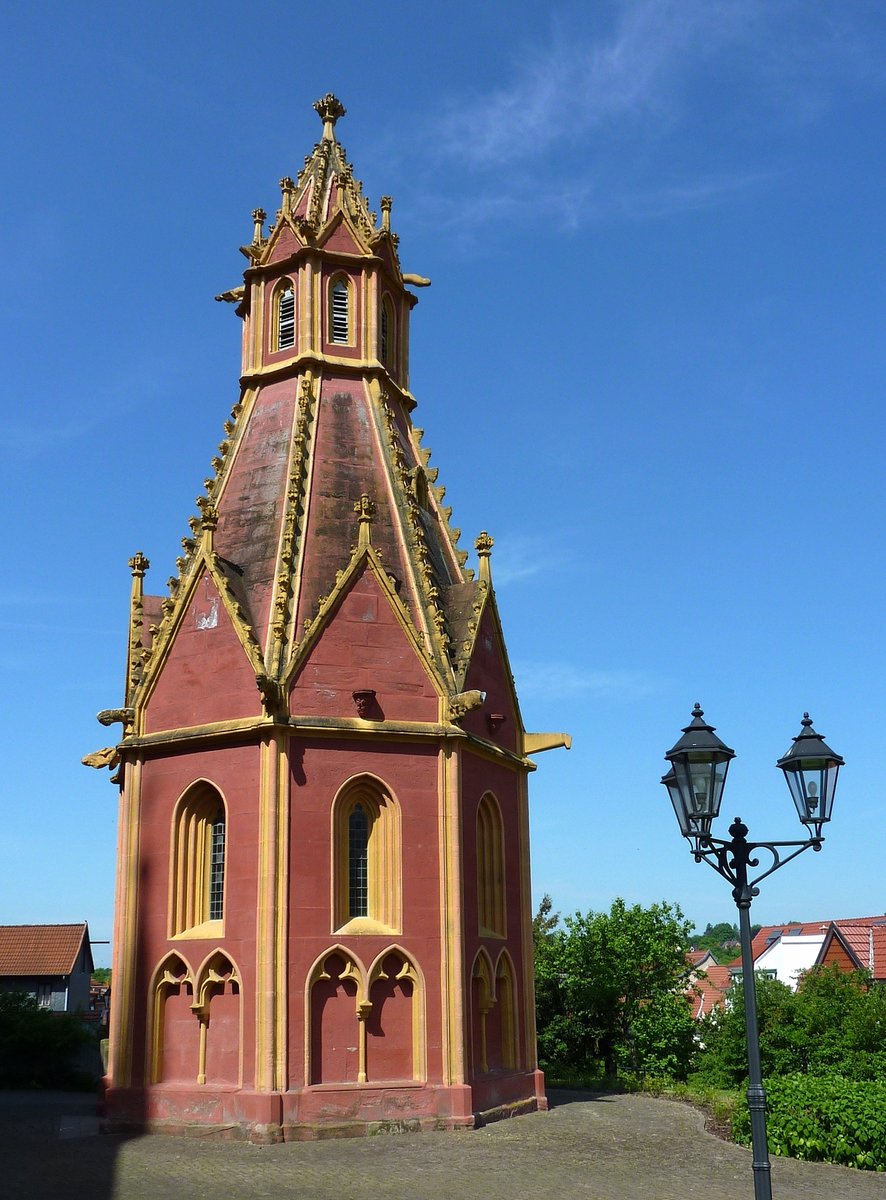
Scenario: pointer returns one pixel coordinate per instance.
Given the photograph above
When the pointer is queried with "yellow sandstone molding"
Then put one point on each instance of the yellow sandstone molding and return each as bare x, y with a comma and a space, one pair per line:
419, 552
530, 1053
293, 524
125, 923
453, 997
267, 948
281, 962
535, 743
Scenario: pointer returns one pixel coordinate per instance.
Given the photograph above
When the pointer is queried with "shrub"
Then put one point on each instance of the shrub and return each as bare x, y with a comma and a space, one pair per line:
823, 1119
36, 1045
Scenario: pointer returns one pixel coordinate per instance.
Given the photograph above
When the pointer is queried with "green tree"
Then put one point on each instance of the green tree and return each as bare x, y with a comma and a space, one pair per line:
545, 920
610, 992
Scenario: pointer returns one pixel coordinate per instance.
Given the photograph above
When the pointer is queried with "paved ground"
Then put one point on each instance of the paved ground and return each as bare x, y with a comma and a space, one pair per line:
607, 1148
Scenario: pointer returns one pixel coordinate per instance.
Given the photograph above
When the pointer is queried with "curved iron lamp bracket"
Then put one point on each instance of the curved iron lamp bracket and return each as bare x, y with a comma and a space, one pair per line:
731, 859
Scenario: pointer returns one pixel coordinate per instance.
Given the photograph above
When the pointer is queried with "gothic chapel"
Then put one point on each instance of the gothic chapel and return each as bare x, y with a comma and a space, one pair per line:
323, 917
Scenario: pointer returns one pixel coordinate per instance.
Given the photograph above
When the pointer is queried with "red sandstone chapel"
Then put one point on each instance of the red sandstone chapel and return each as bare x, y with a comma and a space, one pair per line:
323, 916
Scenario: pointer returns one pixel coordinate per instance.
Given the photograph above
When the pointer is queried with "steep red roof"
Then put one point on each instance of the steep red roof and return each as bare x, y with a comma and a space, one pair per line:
709, 990
865, 944
40, 949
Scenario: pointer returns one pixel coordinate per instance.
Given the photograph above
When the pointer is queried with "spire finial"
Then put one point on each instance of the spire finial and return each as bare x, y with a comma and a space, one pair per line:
483, 546
385, 204
329, 108
258, 216
138, 565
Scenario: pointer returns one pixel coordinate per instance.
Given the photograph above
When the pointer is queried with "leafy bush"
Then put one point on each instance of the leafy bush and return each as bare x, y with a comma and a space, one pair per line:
823, 1119
832, 1025
36, 1045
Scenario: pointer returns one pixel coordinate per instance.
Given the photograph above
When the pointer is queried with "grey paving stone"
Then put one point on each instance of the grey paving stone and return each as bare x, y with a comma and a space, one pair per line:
599, 1147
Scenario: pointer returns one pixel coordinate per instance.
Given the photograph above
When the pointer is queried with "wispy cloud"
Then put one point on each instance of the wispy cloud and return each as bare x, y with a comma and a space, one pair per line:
574, 84
520, 557
563, 679
581, 128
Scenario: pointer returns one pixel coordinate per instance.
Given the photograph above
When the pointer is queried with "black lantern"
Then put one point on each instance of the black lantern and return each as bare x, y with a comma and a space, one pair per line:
699, 763
811, 768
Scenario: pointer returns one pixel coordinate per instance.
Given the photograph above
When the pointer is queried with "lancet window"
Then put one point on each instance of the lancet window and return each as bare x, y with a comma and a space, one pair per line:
366, 853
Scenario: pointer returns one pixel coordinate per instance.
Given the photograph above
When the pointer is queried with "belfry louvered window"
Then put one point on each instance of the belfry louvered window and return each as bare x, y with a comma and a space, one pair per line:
385, 331
341, 317
286, 318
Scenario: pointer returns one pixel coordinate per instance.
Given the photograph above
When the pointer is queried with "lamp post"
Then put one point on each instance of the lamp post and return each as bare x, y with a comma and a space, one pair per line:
699, 762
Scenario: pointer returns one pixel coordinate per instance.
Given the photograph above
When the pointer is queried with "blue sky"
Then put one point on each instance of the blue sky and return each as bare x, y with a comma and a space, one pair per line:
651, 364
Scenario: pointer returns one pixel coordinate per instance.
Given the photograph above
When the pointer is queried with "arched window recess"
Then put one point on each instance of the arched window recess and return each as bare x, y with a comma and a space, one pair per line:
366, 868
197, 864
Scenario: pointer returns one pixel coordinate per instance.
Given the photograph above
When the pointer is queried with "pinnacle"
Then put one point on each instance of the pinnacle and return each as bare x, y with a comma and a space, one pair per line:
329, 108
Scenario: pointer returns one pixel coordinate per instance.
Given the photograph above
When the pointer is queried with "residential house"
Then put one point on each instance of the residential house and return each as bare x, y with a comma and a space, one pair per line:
52, 963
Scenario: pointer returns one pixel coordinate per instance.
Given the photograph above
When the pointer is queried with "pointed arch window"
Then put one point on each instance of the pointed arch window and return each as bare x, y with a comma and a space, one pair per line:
366, 858
285, 332
340, 314
490, 868
198, 859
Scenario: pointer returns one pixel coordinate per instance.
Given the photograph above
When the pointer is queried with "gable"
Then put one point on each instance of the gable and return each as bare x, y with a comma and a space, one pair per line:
340, 237
206, 675
489, 672
285, 245
364, 646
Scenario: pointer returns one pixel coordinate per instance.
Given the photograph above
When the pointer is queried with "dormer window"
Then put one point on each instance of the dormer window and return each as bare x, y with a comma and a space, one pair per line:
286, 317
341, 314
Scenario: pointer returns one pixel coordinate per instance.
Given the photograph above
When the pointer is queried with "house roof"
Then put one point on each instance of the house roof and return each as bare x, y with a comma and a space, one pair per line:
768, 935
41, 949
865, 944
709, 990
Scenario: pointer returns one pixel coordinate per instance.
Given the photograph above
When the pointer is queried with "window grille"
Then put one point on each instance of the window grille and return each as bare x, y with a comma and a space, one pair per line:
217, 868
384, 333
286, 319
358, 863
340, 314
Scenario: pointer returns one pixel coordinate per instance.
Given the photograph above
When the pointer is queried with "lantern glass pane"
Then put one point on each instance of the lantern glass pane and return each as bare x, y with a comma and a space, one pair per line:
679, 810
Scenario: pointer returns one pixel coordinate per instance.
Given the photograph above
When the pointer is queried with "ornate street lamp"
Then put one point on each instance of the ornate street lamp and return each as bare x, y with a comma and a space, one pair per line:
699, 762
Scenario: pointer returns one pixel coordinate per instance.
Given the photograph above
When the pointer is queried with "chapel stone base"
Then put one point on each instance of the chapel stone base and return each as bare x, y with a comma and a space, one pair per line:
322, 1112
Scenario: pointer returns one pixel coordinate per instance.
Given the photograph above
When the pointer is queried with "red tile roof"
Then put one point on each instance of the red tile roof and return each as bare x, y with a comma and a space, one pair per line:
40, 949
709, 990
865, 942
769, 934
